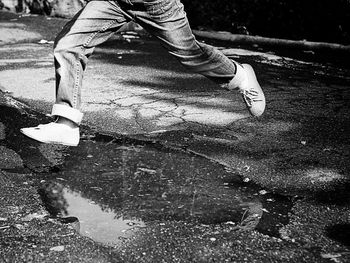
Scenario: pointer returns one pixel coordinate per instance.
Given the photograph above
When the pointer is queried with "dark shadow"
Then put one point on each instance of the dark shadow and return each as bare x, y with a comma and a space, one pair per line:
278, 207
145, 53
14, 120
339, 196
339, 233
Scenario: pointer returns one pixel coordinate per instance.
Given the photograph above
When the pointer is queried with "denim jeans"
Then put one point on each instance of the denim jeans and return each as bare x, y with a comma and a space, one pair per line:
99, 19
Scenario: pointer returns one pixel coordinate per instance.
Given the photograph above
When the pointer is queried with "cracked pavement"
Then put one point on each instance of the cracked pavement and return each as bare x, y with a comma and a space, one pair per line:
134, 89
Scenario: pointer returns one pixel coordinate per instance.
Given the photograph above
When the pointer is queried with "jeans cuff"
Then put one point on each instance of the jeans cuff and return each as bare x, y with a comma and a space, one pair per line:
67, 112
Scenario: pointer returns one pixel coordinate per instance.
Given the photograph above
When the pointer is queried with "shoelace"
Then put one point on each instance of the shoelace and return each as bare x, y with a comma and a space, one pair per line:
250, 96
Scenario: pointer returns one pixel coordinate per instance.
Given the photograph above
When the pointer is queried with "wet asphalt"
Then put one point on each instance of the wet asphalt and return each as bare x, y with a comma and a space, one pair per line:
170, 168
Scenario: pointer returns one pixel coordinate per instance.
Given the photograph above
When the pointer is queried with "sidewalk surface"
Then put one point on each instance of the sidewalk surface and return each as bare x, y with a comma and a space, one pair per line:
136, 94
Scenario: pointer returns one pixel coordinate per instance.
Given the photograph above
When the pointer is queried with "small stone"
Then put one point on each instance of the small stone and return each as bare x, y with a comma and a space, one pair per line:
246, 168
57, 249
263, 192
19, 226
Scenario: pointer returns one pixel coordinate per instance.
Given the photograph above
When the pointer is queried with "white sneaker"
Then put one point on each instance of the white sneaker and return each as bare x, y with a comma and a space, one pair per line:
56, 133
248, 85
252, 93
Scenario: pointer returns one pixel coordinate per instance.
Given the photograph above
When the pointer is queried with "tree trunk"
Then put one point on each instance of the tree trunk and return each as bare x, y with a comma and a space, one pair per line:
246, 39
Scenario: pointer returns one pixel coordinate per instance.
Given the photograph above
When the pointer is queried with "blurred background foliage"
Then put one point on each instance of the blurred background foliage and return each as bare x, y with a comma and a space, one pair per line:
313, 20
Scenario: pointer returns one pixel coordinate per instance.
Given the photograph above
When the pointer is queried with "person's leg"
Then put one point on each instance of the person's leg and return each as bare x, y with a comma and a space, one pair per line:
73, 46
93, 25
167, 21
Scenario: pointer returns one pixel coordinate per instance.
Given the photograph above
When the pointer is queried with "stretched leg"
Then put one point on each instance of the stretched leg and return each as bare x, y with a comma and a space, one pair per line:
167, 21
92, 26
73, 46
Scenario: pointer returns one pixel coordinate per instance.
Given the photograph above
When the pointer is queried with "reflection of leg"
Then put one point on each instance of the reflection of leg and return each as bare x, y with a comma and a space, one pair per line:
51, 194
168, 22
90, 27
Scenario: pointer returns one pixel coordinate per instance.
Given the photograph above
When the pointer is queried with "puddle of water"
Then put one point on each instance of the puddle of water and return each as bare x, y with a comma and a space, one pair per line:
135, 183
114, 189
98, 222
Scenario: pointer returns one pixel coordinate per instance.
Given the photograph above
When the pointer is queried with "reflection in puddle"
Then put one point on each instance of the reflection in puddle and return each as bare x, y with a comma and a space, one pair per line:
114, 189
102, 225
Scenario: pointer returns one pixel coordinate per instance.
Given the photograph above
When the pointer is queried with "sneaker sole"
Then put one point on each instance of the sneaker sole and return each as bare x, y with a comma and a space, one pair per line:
48, 142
